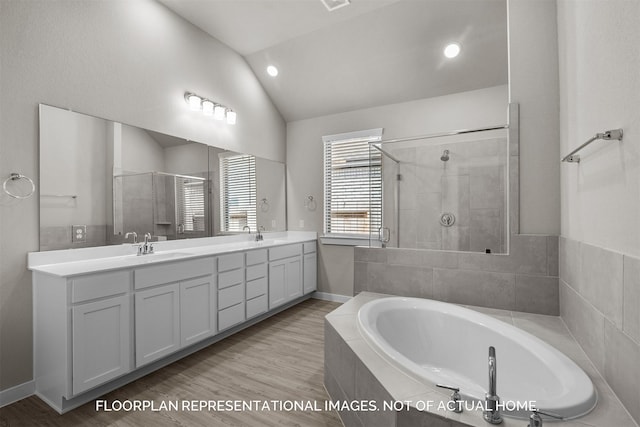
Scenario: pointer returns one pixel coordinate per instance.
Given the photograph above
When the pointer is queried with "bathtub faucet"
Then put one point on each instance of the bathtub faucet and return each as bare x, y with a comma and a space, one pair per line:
491, 411
455, 403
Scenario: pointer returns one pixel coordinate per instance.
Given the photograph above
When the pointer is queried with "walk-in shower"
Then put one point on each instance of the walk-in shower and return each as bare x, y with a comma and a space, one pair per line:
167, 205
446, 192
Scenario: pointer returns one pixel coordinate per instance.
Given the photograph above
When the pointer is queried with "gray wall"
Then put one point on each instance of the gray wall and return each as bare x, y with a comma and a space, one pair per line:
600, 243
125, 61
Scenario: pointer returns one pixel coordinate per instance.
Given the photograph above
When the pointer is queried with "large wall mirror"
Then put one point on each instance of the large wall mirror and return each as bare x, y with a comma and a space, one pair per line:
101, 179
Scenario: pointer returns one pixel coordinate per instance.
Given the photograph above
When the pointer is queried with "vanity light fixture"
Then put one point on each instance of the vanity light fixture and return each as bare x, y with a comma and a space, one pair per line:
231, 117
218, 112
452, 50
272, 70
207, 107
194, 101
210, 108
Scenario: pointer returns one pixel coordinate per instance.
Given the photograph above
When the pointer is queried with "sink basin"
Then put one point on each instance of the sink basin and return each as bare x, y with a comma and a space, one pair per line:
160, 256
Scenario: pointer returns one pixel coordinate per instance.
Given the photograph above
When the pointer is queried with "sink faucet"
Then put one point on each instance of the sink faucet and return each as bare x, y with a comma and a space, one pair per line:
246, 227
259, 236
134, 234
147, 247
491, 412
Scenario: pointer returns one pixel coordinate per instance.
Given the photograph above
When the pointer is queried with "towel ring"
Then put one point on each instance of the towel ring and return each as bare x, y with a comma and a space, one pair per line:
264, 205
16, 177
310, 203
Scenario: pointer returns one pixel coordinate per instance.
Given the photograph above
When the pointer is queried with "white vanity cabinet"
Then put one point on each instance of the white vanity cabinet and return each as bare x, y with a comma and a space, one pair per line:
101, 328
175, 306
285, 274
102, 322
231, 290
310, 268
257, 271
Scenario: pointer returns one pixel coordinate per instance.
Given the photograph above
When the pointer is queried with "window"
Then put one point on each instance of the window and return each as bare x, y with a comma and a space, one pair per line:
190, 203
352, 184
237, 192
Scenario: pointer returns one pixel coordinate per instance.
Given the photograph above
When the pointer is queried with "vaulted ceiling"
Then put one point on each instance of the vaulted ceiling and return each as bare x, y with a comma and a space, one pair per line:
366, 54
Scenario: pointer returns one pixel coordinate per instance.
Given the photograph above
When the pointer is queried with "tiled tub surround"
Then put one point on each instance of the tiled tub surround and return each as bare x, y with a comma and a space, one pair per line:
354, 371
525, 279
600, 303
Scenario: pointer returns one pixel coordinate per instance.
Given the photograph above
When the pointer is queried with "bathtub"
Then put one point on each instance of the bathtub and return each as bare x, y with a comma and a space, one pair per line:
441, 343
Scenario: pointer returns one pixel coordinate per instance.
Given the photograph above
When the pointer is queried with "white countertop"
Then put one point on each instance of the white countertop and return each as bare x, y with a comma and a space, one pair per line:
73, 262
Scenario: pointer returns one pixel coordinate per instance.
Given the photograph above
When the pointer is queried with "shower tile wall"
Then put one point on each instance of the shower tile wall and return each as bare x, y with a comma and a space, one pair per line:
471, 185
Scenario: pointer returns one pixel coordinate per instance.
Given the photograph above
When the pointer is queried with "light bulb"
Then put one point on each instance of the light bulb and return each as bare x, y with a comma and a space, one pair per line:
218, 112
272, 70
207, 107
231, 117
452, 50
194, 102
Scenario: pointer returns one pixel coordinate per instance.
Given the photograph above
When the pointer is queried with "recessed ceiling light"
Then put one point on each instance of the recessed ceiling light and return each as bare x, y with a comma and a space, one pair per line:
452, 50
272, 70
332, 5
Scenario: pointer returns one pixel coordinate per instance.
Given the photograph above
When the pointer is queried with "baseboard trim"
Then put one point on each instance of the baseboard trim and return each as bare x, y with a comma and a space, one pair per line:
15, 393
330, 297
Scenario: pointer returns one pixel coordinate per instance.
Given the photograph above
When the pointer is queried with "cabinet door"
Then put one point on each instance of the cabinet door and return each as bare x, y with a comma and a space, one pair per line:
294, 278
197, 310
310, 273
277, 283
101, 346
157, 323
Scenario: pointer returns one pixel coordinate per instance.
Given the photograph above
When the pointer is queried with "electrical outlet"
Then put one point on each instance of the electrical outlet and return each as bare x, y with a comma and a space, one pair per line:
78, 233
273, 224
301, 224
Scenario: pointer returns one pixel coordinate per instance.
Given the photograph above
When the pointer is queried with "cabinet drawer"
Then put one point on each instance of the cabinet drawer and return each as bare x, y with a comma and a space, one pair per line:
256, 257
256, 271
256, 287
230, 278
100, 285
170, 272
230, 262
281, 252
230, 316
309, 247
230, 296
256, 306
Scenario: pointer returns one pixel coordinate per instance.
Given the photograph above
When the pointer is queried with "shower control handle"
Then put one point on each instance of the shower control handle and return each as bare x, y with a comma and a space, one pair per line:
455, 398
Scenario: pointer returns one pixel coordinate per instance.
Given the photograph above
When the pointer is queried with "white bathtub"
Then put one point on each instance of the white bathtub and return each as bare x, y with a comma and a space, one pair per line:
441, 343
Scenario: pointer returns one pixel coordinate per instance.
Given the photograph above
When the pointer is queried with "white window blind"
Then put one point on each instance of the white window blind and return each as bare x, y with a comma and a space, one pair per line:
190, 203
352, 185
237, 192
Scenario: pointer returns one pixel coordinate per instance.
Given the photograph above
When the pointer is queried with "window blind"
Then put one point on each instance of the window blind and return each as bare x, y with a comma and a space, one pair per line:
352, 188
238, 192
190, 203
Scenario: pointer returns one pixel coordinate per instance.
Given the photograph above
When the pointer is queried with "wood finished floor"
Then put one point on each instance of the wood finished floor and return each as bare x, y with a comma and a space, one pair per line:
281, 358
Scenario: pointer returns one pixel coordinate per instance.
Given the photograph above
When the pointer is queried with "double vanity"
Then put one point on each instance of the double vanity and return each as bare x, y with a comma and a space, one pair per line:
104, 316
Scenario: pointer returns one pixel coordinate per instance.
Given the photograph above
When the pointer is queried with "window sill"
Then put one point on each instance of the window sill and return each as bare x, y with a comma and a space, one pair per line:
344, 241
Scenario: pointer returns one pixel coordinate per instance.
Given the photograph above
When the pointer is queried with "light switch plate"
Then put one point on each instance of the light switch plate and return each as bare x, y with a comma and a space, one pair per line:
78, 233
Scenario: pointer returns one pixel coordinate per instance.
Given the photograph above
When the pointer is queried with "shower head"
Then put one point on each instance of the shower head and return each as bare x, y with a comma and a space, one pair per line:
445, 156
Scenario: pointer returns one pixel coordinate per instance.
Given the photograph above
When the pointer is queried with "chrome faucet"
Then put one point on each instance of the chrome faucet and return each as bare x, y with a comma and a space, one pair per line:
455, 401
246, 227
491, 412
535, 420
259, 236
147, 247
134, 234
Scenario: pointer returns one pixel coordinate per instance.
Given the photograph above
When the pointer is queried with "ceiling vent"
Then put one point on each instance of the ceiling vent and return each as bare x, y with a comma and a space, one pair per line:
332, 5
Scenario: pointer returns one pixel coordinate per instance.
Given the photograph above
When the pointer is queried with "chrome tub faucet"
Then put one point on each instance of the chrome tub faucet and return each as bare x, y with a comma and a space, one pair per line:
491, 412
